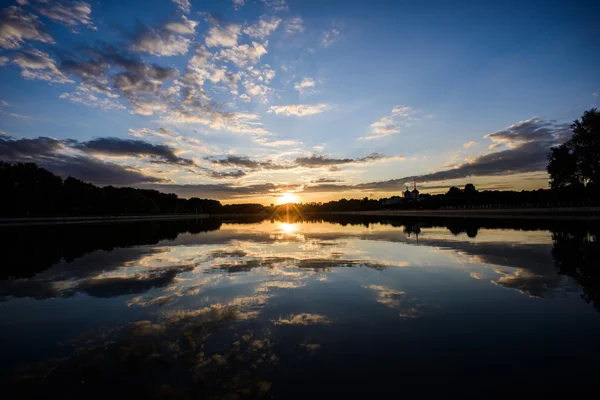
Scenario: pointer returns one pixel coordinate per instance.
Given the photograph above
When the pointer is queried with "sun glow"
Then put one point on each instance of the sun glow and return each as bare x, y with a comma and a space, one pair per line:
288, 228
288, 198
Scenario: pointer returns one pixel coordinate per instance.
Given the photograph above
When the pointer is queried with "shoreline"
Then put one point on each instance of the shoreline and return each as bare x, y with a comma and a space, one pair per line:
566, 213
18, 221
555, 213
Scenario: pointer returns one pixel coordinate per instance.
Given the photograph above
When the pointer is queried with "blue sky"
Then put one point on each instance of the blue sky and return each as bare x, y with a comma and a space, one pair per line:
250, 100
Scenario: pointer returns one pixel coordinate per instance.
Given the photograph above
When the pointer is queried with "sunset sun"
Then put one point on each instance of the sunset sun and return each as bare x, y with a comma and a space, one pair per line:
288, 198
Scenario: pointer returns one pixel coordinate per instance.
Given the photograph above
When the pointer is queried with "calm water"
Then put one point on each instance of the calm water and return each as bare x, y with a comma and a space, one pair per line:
243, 309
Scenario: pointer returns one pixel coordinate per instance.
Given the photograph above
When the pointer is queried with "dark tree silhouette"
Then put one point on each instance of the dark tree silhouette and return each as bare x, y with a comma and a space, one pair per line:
28, 190
454, 192
576, 163
470, 190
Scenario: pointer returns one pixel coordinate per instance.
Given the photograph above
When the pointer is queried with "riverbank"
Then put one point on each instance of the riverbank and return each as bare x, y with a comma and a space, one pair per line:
567, 213
94, 219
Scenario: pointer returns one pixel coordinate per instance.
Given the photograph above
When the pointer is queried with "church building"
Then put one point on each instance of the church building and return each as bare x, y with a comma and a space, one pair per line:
414, 195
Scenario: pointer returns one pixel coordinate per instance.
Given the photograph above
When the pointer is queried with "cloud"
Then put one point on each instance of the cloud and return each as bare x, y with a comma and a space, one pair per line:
528, 143
469, 144
276, 5
225, 175
183, 27
14, 148
18, 25
316, 161
106, 287
294, 25
596, 94
132, 148
237, 4
48, 153
278, 143
85, 96
183, 6
409, 307
263, 28
246, 162
242, 123
3, 61
531, 130
389, 125
223, 36
255, 81
68, 13
169, 40
329, 37
237, 161
304, 84
303, 319
245, 98
170, 135
140, 83
36, 64
244, 54
299, 110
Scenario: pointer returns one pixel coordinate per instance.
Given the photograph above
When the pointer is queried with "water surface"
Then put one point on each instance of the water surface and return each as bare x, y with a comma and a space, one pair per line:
289, 309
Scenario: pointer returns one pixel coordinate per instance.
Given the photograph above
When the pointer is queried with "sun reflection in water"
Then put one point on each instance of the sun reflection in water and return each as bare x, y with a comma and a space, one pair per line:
288, 228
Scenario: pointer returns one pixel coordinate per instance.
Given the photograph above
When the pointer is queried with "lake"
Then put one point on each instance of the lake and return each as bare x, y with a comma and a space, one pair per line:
333, 306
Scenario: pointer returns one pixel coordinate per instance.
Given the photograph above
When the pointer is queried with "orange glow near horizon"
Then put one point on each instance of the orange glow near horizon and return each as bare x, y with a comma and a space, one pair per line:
288, 198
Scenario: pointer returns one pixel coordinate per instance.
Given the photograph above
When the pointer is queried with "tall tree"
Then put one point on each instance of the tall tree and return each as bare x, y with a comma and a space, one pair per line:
576, 162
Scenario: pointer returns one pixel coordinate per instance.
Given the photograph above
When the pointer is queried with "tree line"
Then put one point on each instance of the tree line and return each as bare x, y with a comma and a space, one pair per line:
28, 190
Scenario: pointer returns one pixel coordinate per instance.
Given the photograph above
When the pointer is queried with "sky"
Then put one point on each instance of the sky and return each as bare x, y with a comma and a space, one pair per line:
270, 101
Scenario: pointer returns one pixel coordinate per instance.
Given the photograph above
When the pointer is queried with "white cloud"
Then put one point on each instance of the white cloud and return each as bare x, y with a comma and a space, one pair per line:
18, 25
147, 107
299, 110
245, 98
276, 5
400, 116
164, 133
469, 144
183, 6
279, 143
244, 54
263, 28
596, 94
223, 36
262, 74
86, 97
329, 37
36, 64
185, 27
402, 111
3, 61
166, 41
65, 12
257, 90
201, 68
238, 3
294, 25
242, 123
255, 81
304, 84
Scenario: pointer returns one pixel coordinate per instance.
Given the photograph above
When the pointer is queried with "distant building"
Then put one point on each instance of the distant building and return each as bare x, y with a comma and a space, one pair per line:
414, 195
